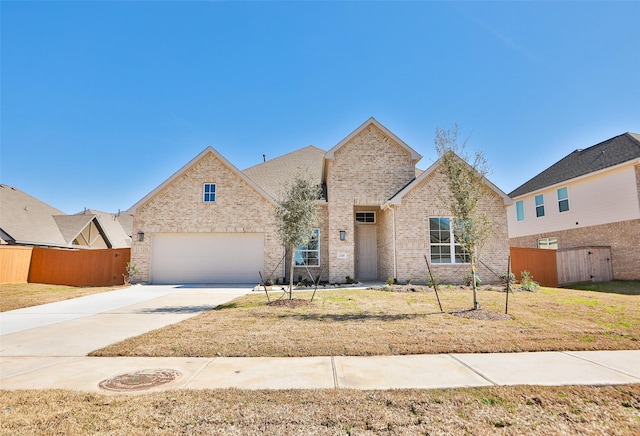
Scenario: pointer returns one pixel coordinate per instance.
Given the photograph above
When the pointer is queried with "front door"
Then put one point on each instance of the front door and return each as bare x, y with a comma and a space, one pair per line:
366, 252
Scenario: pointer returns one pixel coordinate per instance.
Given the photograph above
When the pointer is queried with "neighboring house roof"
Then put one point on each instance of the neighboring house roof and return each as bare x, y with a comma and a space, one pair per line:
209, 150
273, 174
397, 197
28, 221
117, 226
72, 225
415, 156
609, 153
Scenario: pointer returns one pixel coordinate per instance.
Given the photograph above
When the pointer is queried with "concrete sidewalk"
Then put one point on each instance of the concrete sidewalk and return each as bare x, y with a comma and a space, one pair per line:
376, 372
45, 347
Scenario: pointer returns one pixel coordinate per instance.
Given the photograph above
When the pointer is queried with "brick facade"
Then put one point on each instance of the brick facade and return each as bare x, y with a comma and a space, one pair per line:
412, 234
366, 171
362, 173
179, 208
623, 238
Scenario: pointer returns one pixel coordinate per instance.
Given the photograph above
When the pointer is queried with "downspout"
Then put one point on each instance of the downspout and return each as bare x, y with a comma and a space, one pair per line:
393, 231
395, 265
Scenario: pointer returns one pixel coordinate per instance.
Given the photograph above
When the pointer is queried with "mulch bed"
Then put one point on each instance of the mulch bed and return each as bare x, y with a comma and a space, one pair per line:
424, 288
285, 302
481, 314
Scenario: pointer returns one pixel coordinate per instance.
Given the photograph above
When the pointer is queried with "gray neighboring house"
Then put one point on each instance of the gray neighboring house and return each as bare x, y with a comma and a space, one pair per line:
25, 220
591, 197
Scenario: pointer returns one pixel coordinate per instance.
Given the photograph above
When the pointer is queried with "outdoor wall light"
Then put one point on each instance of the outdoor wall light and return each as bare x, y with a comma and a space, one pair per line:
343, 234
140, 236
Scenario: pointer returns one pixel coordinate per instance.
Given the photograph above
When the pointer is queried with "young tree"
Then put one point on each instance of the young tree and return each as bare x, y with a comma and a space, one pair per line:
465, 178
296, 216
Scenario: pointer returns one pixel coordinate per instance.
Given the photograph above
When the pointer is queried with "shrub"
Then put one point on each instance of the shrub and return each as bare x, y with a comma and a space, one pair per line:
527, 282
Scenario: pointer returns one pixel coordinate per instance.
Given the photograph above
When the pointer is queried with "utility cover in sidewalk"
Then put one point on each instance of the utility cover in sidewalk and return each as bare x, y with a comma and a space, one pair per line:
140, 380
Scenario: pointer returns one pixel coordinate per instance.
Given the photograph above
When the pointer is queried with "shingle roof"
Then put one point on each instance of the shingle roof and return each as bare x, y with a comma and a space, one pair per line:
117, 226
26, 219
71, 225
614, 151
273, 174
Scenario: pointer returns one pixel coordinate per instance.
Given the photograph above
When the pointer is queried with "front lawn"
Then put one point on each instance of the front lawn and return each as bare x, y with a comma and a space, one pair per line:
625, 287
584, 410
21, 295
375, 322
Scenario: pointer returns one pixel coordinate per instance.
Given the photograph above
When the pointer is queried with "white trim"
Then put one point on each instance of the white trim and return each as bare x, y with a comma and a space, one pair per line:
317, 232
452, 244
204, 193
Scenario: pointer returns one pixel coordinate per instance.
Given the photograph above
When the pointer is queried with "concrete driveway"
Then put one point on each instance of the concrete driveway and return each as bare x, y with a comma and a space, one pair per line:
78, 326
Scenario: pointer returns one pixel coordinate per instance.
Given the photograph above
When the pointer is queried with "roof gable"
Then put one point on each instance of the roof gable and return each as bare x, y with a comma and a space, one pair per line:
209, 150
117, 226
415, 156
615, 151
397, 198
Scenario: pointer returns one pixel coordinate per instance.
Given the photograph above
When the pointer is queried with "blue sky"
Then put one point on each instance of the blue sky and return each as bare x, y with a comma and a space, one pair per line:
102, 101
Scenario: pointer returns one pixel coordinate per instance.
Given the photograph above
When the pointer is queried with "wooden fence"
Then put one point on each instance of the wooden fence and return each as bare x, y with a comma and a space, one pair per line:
584, 264
14, 263
540, 263
79, 267
561, 267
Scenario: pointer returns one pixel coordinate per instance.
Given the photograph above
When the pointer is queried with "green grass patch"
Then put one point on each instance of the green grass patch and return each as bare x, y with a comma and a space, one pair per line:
624, 287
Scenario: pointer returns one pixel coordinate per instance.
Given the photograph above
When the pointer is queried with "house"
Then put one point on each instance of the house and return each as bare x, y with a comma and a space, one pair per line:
379, 216
591, 197
117, 227
25, 220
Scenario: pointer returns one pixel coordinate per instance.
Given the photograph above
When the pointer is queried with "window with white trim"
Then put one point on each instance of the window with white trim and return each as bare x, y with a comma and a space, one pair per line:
309, 254
548, 243
442, 243
563, 199
539, 205
520, 210
365, 217
209, 193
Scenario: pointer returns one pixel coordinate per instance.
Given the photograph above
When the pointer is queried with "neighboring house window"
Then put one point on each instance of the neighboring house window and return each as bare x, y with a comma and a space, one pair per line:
539, 205
365, 217
548, 243
563, 199
309, 254
209, 193
520, 210
442, 243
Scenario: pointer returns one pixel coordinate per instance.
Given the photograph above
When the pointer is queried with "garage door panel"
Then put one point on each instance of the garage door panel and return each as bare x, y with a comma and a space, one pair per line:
207, 258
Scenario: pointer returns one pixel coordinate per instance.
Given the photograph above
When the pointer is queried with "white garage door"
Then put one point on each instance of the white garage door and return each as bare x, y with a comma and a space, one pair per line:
207, 258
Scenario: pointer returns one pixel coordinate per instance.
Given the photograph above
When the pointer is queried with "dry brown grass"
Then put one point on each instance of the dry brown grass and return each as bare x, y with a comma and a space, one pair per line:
373, 322
510, 410
20, 295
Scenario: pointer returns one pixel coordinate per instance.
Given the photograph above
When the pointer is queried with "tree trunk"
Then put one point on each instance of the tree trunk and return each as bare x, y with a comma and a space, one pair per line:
474, 283
293, 263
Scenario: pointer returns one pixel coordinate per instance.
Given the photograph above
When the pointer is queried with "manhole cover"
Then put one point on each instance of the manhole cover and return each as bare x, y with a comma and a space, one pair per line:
140, 380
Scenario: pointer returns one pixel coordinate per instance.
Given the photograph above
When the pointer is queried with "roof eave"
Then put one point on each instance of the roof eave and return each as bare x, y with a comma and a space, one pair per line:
631, 162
